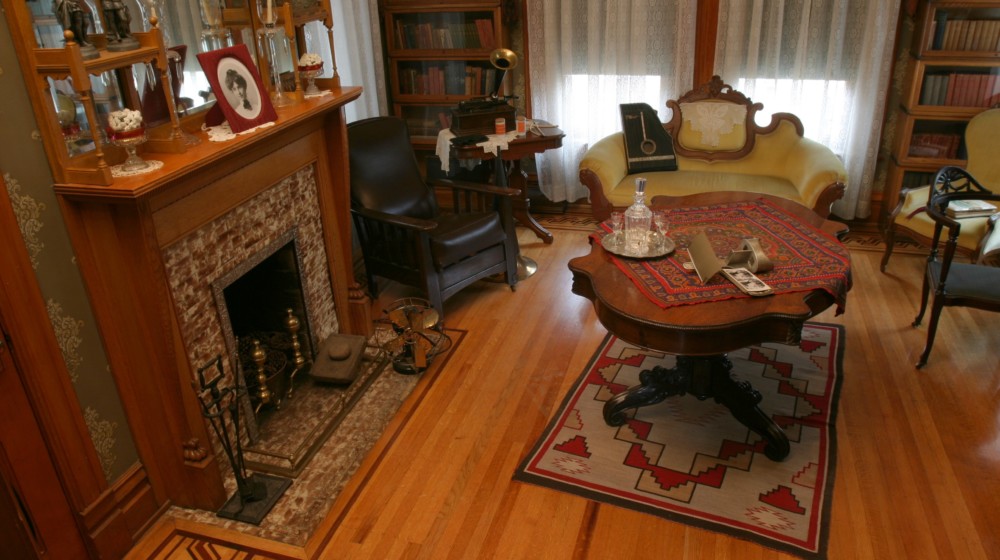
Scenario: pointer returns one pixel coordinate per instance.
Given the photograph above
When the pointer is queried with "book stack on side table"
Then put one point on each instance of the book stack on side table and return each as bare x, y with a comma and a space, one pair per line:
970, 209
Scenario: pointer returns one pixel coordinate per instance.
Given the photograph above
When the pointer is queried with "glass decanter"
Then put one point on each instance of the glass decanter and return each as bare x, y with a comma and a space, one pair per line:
638, 219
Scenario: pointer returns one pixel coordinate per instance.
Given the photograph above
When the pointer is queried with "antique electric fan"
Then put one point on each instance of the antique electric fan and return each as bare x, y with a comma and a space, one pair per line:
412, 335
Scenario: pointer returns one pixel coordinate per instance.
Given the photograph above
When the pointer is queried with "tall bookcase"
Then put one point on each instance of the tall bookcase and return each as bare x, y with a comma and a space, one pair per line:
437, 55
953, 74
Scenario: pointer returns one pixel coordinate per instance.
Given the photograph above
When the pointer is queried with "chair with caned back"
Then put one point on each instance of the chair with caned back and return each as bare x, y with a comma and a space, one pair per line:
979, 238
954, 283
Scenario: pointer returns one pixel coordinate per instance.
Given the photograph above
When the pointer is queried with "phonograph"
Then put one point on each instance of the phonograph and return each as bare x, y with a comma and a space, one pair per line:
477, 116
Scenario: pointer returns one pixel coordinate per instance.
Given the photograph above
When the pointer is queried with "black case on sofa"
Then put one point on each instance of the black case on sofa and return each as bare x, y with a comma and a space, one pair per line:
648, 146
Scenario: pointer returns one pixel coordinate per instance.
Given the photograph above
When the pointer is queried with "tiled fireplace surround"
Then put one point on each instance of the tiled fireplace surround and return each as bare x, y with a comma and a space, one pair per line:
197, 260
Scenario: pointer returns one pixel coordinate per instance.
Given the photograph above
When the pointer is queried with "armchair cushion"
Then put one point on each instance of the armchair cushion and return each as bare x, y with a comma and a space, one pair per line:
913, 216
720, 149
458, 236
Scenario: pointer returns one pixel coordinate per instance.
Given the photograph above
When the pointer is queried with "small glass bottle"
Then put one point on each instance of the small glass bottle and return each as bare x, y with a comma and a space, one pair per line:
638, 219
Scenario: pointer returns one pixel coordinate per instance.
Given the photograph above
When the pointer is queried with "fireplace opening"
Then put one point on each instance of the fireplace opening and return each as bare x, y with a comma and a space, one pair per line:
270, 325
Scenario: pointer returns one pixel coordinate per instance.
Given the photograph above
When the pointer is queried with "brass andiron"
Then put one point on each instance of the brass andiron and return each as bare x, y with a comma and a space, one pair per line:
256, 493
263, 393
300, 361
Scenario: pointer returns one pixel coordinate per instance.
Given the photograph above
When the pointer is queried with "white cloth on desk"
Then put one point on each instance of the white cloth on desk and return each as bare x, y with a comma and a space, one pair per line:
497, 142
443, 149
493, 143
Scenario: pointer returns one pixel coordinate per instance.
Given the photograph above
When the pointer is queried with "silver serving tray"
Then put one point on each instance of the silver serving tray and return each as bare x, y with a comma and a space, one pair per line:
659, 245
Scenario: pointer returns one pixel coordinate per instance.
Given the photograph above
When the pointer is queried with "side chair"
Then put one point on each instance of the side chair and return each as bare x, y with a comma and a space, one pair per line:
406, 236
909, 218
954, 283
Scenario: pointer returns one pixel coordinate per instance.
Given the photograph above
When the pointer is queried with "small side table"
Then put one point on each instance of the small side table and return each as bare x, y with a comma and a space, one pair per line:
518, 149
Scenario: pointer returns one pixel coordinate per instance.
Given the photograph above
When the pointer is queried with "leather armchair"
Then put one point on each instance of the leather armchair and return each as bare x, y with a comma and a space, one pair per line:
404, 234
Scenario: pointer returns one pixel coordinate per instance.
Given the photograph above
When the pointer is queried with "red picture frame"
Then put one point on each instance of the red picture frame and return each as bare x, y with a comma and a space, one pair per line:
239, 92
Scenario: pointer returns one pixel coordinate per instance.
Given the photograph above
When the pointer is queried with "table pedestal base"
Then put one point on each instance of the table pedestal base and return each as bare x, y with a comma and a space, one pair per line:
703, 377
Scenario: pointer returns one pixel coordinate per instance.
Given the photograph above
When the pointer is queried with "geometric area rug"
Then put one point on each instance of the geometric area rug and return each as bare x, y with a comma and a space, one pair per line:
689, 460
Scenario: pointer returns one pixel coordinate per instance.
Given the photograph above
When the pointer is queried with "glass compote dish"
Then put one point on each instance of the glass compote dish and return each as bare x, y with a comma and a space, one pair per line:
310, 67
126, 130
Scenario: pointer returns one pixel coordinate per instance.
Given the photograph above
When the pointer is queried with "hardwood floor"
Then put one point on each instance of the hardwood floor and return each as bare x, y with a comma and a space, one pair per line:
918, 466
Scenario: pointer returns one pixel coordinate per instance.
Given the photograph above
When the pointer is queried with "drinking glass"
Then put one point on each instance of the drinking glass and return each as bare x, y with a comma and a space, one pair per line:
617, 222
660, 220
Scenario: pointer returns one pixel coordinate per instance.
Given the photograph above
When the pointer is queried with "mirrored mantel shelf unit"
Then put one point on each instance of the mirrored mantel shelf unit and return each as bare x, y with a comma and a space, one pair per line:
203, 158
72, 92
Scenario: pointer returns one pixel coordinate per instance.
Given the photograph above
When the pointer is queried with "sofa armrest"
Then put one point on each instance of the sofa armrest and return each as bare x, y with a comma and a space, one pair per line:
817, 173
603, 166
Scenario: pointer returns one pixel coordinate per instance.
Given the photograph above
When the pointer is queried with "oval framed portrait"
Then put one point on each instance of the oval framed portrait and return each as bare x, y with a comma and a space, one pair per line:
240, 95
239, 88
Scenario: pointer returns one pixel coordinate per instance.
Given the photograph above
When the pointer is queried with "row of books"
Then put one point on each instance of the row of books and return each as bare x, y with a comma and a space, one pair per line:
965, 34
960, 90
452, 78
476, 34
935, 145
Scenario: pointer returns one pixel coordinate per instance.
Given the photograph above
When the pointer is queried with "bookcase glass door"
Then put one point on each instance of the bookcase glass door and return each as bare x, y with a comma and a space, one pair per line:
456, 78
425, 121
438, 55
933, 138
962, 87
441, 30
961, 30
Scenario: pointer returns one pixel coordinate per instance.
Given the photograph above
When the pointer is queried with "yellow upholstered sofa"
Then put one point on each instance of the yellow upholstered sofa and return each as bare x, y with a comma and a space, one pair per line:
719, 147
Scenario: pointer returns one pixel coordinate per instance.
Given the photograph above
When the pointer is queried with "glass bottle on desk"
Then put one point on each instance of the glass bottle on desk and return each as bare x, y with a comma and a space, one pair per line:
638, 219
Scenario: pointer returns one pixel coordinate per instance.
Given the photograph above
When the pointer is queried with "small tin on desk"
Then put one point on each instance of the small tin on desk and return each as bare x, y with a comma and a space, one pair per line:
500, 125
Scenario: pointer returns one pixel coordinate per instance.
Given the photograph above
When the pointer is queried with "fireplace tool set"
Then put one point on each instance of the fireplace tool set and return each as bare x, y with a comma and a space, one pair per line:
256, 493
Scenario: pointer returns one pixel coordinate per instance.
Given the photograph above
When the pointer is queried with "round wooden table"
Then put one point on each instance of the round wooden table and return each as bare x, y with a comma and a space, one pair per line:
700, 333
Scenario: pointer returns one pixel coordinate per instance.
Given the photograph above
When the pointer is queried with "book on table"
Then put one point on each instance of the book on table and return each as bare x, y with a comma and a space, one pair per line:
970, 208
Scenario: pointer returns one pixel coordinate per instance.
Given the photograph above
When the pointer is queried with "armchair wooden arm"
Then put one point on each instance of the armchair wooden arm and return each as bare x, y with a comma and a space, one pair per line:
416, 224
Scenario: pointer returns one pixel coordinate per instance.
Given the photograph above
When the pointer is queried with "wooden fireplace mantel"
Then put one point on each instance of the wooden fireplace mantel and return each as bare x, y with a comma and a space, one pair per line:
118, 233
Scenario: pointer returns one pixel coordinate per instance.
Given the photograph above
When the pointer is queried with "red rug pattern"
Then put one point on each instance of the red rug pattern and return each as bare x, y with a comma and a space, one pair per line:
689, 460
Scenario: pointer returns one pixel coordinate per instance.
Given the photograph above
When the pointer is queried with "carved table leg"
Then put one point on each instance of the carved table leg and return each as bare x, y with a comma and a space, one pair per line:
703, 377
522, 204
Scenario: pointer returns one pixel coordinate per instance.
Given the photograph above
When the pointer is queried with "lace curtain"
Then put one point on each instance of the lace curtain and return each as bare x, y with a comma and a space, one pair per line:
826, 61
586, 58
358, 43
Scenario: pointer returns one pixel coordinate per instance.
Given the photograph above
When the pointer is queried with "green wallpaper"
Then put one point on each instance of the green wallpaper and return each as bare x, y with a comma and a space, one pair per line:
29, 182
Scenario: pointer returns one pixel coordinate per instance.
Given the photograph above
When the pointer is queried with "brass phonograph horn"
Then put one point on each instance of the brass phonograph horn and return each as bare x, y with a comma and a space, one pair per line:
503, 60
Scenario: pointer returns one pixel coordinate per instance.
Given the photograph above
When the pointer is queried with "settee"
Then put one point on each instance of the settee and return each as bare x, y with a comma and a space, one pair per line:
719, 147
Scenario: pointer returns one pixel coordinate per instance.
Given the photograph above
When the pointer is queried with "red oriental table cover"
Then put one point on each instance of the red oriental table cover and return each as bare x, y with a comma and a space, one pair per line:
804, 257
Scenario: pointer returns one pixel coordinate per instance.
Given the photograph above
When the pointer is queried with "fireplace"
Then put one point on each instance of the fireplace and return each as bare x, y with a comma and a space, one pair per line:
149, 247
236, 277
290, 414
